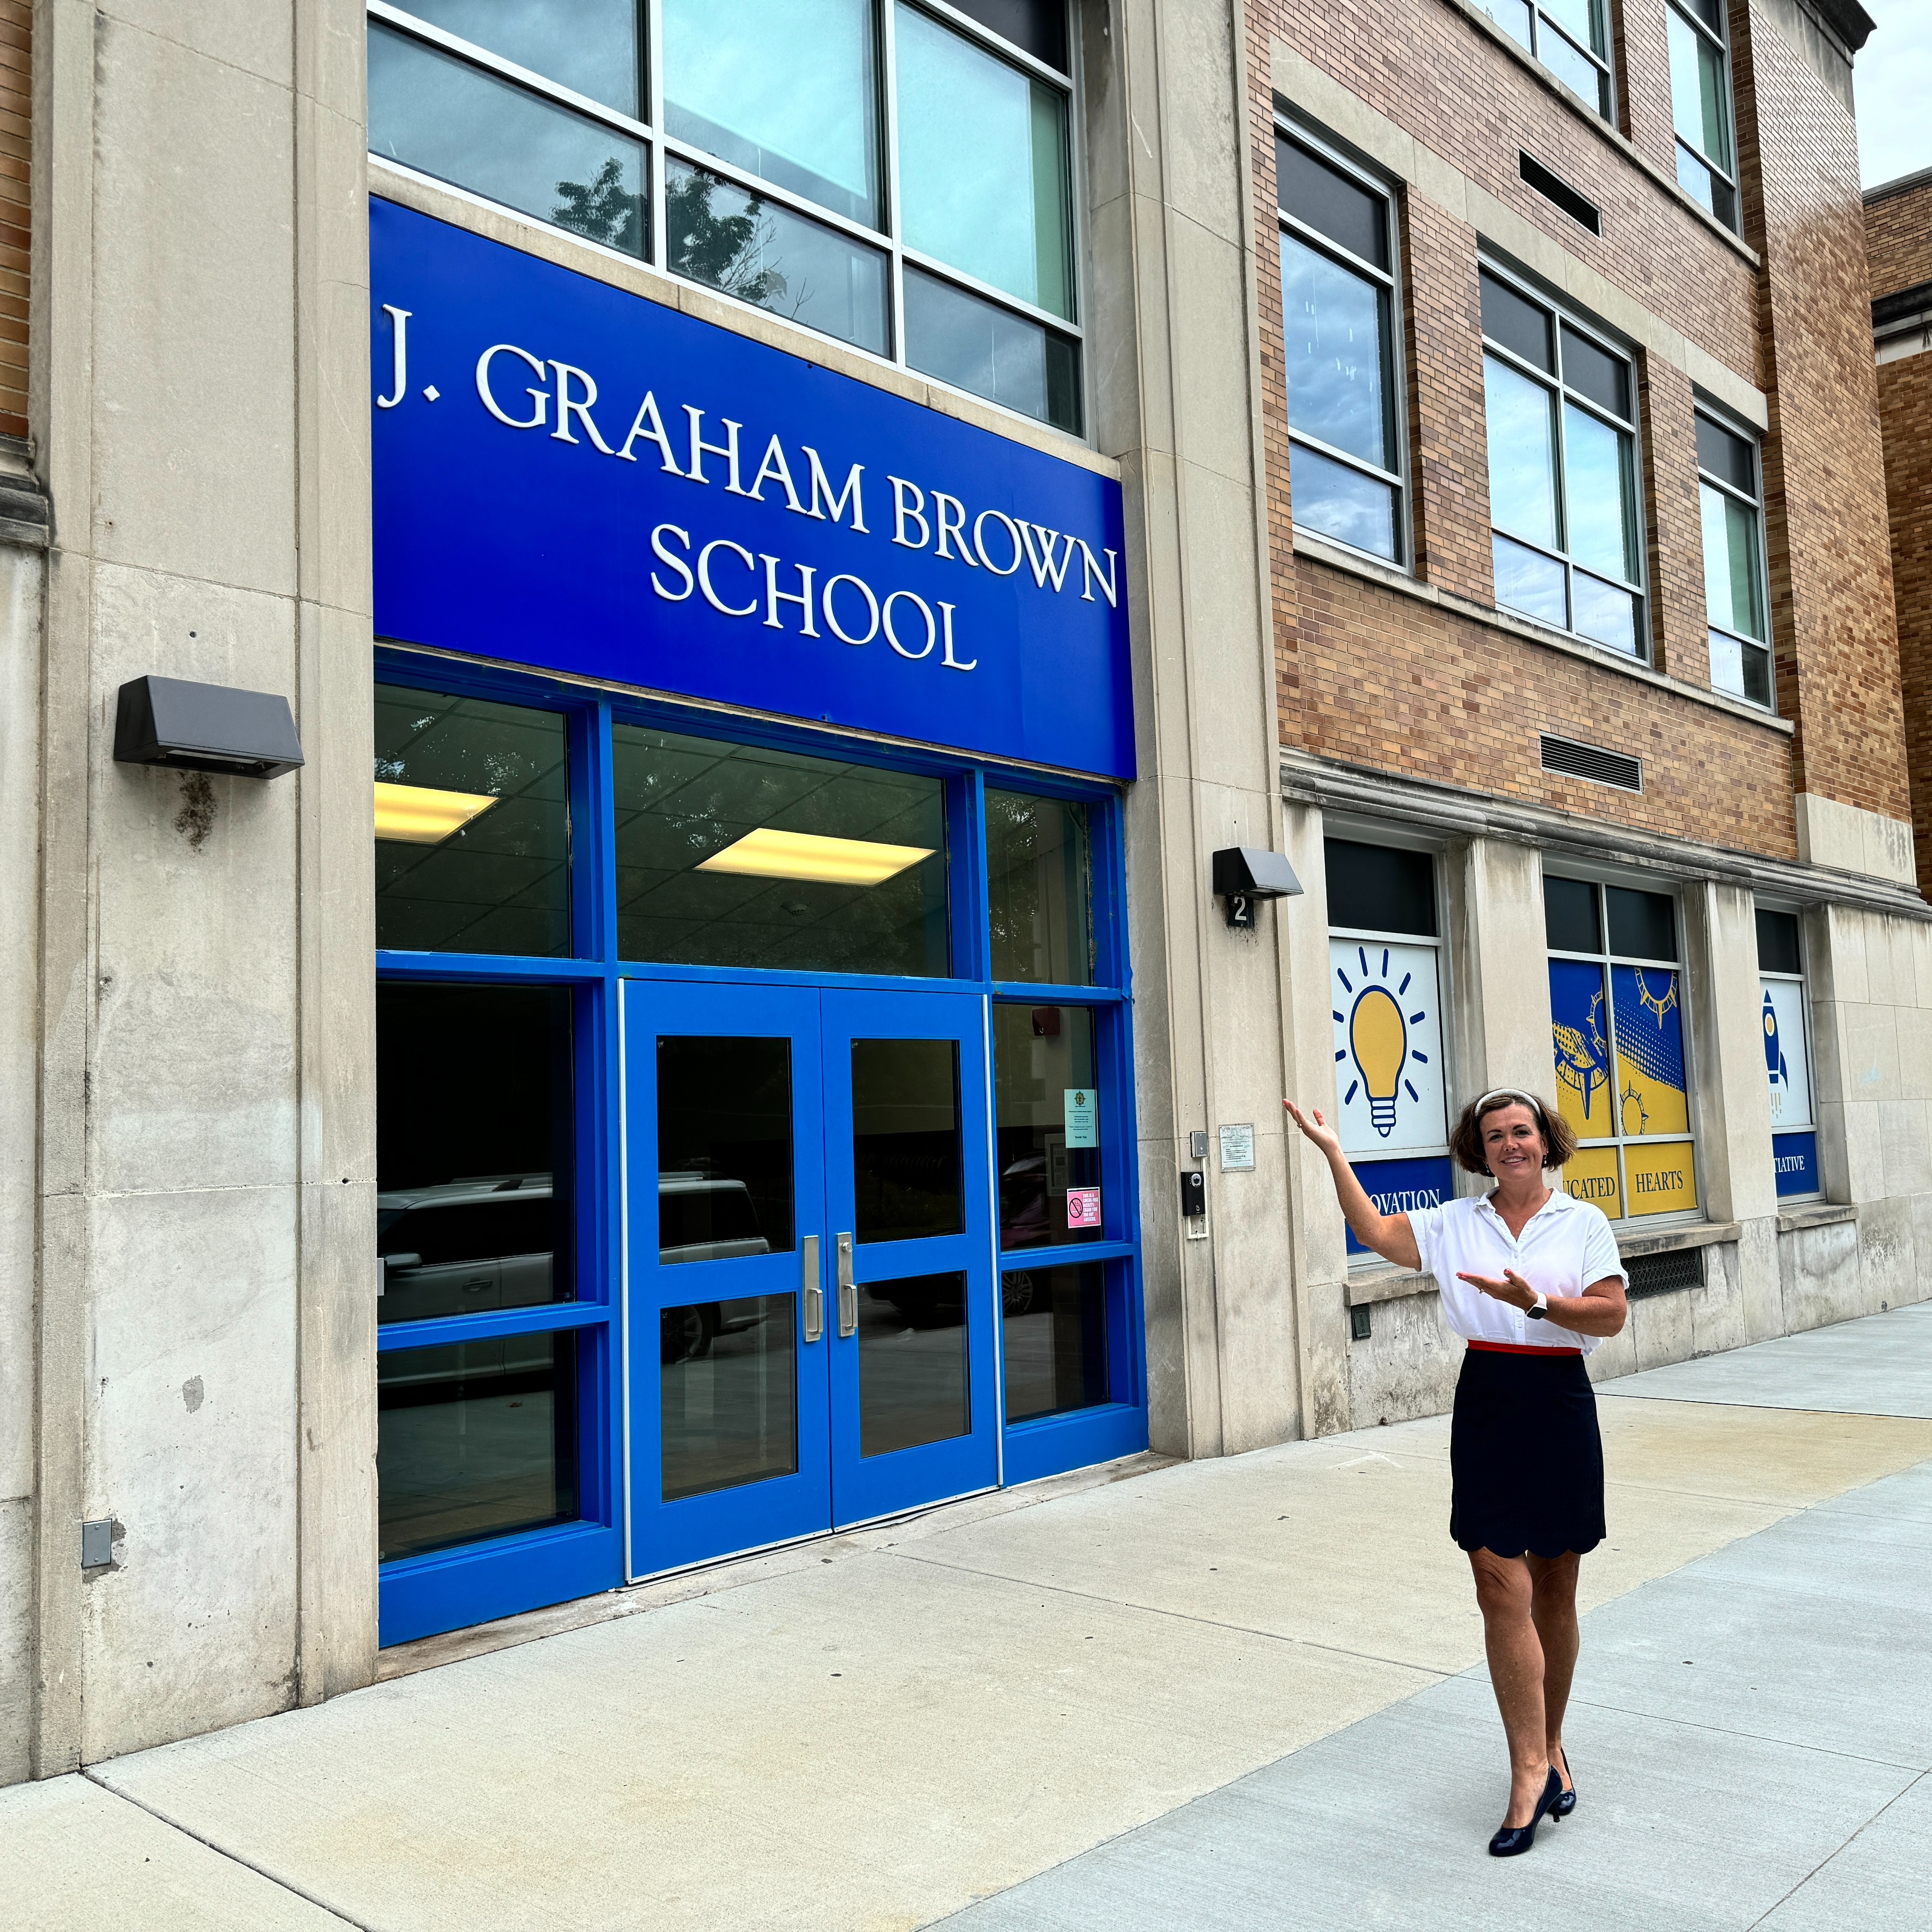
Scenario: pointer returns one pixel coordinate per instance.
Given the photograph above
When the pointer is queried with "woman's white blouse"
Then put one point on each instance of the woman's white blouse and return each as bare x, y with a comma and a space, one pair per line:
1567, 1244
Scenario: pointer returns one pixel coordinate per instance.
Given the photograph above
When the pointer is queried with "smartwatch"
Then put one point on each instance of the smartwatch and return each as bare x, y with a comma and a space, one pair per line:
1539, 1308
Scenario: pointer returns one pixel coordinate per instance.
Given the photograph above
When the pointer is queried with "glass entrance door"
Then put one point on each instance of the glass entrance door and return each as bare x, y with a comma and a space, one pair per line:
809, 1261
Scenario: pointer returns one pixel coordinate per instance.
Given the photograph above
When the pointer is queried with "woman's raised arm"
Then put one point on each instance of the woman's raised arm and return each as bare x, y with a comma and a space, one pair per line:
1388, 1235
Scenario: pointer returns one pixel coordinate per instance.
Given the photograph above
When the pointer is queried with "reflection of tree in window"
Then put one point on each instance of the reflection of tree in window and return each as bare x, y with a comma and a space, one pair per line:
727, 251
604, 210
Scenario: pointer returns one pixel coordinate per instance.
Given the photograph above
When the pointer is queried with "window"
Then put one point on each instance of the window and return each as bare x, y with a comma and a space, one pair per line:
1385, 982
1622, 1078
1731, 496
1700, 104
1787, 1055
1561, 406
1569, 36
1338, 325
762, 160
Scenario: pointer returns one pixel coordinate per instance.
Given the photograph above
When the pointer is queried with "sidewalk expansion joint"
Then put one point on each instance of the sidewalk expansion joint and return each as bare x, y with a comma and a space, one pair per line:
222, 1851
1762, 1918
1649, 1717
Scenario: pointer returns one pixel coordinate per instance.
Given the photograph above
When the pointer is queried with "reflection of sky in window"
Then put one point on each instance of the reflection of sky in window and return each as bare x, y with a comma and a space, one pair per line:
1523, 467
588, 45
1730, 563
1605, 614
431, 112
1332, 321
788, 77
1341, 503
1600, 532
1577, 16
1696, 90
968, 145
1528, 581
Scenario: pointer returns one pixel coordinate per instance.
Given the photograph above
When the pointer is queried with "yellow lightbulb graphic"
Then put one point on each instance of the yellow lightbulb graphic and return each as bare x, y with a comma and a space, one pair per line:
1380, 1039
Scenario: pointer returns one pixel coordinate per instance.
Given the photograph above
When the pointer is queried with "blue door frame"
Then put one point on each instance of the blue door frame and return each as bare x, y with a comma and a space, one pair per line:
474, 1583
813, 1288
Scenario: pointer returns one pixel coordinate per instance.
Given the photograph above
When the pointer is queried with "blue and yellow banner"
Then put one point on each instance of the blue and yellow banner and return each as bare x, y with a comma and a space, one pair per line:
1591, 1176
1581, 1030
1650, 1096
1662, 1178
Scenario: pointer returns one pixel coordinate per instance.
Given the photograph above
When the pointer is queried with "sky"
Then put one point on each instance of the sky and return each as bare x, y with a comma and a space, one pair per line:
1893, 76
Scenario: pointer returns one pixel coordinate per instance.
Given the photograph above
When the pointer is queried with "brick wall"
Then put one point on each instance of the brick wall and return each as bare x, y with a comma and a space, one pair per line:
1898, 227
1831, 564
15, 160
1375, 677
1898, 234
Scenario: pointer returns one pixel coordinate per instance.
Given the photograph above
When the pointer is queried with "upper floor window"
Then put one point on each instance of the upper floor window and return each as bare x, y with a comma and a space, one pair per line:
1338, 326
1731, 495
1562, 437
806, 157
1571, 37
1700, 105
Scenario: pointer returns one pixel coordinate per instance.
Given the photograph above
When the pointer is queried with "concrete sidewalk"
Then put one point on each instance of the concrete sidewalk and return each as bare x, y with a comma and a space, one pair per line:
1213, 1694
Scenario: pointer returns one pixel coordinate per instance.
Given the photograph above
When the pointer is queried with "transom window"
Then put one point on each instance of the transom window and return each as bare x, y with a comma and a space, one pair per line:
1700, 104
1338, 326
899, 178
1623, 1080
1562, 436
1570, 37
1731, 495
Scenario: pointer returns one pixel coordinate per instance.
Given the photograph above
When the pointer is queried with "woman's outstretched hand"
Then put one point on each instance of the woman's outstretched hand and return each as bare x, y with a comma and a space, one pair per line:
1317, 1129
1512, 1289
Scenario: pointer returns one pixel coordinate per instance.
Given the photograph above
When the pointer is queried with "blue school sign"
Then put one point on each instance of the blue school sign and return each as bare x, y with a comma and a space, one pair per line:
570, 476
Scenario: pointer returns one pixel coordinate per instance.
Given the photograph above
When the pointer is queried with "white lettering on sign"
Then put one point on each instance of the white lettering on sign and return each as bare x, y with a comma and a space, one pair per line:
1404, 1198
1789, 1163
924, 516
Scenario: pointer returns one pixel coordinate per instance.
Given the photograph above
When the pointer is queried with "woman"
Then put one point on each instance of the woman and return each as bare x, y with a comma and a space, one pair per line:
1532, 1280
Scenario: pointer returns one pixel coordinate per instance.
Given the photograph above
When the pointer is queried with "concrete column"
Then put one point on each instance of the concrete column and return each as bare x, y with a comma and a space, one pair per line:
206, 1022
1175, 335
1499, 960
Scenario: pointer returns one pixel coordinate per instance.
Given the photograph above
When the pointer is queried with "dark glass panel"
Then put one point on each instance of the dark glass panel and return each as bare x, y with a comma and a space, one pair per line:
1569, 921
977, 345
477, 1439
730, 239
1642, 925
1777, 942
1380, 888
473, 1148
1054, 1328
912, 1363
1710, 12
473, 825
438, 114
1594, 372
1727, 456
1515, 322
1757, 675
1043, 1072
1037, 26
590, 46
1328, 201
728, 1405
1039, 869
683, 804
907, 1178
725, 1148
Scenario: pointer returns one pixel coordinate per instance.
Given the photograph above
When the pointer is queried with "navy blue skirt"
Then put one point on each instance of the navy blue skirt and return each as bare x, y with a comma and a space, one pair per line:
1526, 1455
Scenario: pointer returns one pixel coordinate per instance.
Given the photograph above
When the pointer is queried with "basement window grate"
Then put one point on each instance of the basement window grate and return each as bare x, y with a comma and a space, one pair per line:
1659, 1274
1553, 187
1592, 762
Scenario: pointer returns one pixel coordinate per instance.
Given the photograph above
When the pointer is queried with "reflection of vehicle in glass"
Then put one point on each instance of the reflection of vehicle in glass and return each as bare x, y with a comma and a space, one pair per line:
702, 1219
466, 1246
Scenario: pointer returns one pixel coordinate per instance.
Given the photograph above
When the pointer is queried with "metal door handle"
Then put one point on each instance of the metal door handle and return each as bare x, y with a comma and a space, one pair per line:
848, 1295
814, 1290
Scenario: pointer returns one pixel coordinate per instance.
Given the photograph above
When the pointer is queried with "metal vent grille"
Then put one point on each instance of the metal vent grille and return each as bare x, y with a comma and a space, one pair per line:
1592, 762
1658, 1274
1548, 182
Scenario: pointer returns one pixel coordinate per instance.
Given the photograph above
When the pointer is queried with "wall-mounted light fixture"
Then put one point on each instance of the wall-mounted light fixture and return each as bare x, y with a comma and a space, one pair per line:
1245, 874
205, 727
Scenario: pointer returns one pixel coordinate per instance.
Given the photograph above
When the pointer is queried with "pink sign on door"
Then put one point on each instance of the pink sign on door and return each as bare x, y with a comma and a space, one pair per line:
1083, 1208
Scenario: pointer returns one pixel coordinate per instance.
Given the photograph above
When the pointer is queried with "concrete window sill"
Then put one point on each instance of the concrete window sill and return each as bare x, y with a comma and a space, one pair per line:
1815, 1214
1673, 1241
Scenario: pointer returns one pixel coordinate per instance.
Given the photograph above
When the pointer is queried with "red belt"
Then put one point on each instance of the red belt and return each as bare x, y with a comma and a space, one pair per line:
1522, 1348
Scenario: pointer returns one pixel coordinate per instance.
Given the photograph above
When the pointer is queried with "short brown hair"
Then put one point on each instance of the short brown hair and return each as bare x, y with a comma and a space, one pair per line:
1559, 1137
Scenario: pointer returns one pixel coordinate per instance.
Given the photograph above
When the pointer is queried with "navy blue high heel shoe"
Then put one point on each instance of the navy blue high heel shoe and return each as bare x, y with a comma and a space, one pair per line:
1513, 1840
1567, 1803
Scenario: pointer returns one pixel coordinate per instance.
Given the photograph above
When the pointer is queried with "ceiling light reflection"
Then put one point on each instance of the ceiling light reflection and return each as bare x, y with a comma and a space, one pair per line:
417, 815
767, 853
